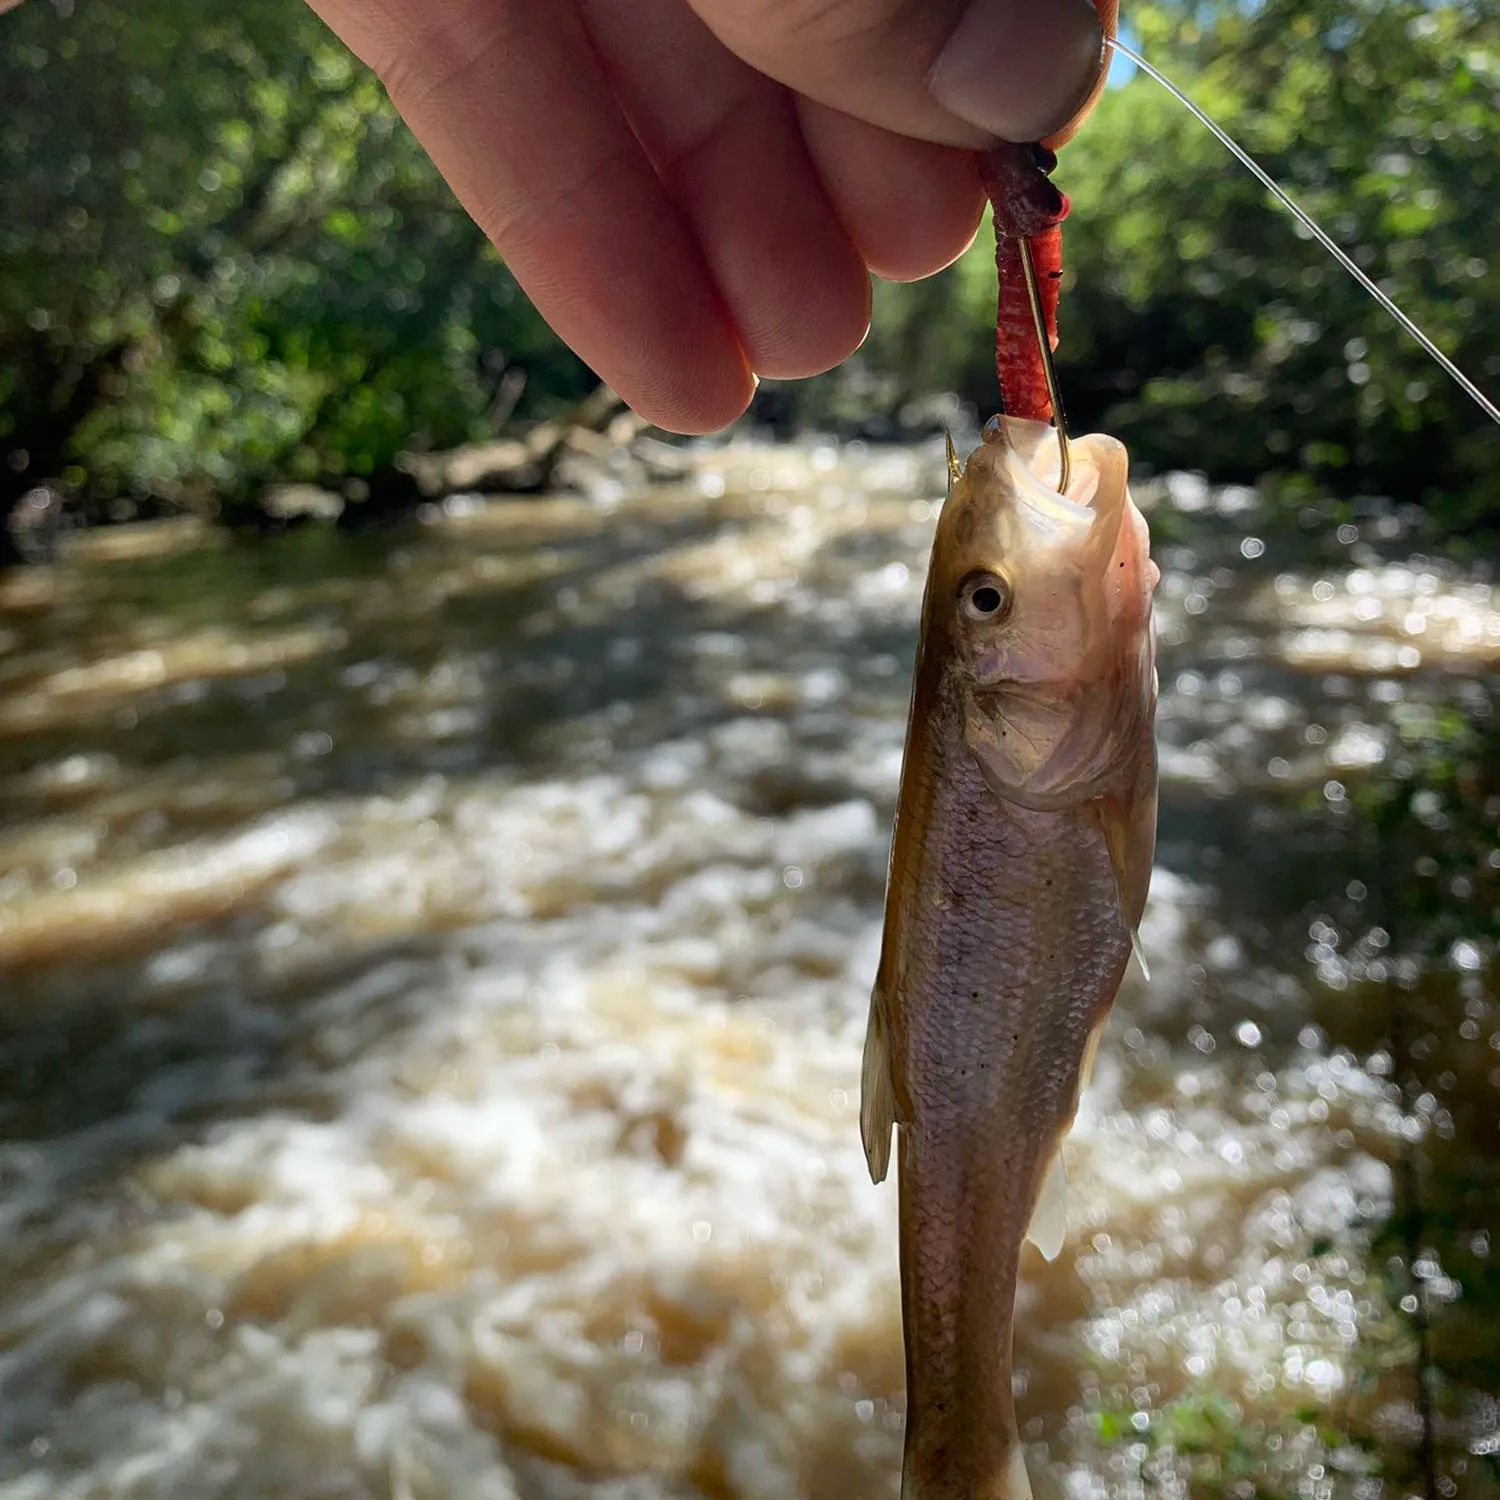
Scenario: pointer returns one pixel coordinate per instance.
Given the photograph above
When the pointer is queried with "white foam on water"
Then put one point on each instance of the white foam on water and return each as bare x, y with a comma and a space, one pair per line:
598, 1205
529, 1163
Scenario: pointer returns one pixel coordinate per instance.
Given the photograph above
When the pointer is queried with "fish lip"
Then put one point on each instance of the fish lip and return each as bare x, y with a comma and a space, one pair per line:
1060, 516
1088, 516
1034, 448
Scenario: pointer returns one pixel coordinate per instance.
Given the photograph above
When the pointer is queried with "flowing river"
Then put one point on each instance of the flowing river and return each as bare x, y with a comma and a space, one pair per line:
433, 969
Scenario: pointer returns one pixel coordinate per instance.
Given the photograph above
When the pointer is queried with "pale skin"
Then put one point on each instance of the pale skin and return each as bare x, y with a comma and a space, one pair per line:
694, 192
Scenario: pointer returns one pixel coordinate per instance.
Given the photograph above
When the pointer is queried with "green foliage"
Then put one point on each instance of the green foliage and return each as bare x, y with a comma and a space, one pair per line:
1218, 1450
1210, 331
224, 259
1198, 323
1435, 815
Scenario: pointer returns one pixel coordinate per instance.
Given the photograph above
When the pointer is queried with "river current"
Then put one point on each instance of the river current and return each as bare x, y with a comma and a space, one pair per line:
433, 969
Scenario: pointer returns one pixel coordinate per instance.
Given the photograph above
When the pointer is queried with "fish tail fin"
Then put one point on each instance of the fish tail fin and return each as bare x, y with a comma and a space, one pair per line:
877, 1092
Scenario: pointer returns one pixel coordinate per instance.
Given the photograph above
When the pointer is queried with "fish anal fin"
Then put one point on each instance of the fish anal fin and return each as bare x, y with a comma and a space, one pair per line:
1132, 867
1049, 1219
877, 1092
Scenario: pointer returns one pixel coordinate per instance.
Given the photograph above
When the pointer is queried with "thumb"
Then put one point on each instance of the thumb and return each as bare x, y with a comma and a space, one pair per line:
962, 72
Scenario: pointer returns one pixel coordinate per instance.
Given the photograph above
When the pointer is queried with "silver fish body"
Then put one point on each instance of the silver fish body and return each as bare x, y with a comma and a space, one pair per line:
1020, 860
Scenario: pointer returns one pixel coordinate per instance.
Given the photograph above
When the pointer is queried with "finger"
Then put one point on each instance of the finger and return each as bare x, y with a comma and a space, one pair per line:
1109, 20
910, 206
510, 102
962, 72
726, 142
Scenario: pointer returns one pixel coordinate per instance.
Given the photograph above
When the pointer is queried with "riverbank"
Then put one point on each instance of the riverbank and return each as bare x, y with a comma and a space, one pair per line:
598, 450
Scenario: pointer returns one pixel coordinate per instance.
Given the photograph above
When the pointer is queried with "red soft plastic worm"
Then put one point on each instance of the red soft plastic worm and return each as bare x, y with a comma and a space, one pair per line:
1028, 207
1029, 210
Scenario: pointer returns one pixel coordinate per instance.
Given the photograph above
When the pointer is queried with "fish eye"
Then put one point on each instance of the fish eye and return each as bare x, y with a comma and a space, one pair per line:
984, 596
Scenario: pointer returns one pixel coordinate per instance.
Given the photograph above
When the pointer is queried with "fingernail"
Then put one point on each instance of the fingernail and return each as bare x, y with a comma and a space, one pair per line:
1019, 69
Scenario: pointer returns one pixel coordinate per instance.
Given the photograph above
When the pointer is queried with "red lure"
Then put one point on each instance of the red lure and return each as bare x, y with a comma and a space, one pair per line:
1028, 208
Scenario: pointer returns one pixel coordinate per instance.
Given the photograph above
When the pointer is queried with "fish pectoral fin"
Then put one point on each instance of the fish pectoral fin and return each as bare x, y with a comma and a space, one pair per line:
877, 1092
1049, 1219
1117, 819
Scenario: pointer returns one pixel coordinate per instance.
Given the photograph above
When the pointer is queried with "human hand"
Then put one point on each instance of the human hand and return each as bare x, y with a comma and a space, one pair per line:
692, 192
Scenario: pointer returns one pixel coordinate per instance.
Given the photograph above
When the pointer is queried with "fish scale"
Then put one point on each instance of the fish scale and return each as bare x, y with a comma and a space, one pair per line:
1015, 964
1020, 857
1021, 853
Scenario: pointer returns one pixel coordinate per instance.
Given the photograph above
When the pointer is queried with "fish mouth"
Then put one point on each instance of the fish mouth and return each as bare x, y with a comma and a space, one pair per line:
1092, 506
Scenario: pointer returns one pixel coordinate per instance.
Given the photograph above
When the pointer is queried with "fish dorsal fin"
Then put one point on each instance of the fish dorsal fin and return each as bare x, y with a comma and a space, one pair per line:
1115, 818
877, 1091
1049, 1220
955, 469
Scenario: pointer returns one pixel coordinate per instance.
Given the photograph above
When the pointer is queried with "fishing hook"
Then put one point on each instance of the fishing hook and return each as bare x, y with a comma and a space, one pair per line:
1049, 371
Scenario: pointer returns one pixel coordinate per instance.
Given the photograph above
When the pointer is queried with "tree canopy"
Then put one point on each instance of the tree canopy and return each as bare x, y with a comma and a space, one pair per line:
1199, 323
224, 260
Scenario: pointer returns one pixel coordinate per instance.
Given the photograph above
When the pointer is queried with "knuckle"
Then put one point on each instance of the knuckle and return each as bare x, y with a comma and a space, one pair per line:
430, 56
793, 25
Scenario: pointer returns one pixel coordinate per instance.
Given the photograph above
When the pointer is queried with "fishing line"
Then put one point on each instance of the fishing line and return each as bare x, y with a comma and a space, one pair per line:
1049, 370
1306, 220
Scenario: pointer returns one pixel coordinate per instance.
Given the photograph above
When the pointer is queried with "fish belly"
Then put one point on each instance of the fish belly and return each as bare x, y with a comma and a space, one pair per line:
1010, 958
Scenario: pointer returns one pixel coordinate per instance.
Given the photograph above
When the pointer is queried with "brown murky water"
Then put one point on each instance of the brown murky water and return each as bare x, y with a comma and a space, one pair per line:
432, 974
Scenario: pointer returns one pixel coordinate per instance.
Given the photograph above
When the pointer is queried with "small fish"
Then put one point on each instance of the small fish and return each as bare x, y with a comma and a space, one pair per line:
1021, 856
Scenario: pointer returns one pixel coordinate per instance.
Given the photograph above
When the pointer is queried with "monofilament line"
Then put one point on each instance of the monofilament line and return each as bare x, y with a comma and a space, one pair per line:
1463, 382
1049, 370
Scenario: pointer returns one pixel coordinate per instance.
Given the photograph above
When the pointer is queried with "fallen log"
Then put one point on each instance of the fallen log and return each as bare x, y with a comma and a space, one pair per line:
520, 463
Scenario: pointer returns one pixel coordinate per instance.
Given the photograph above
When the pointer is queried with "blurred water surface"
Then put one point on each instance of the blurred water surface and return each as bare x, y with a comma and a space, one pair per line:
432, 975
